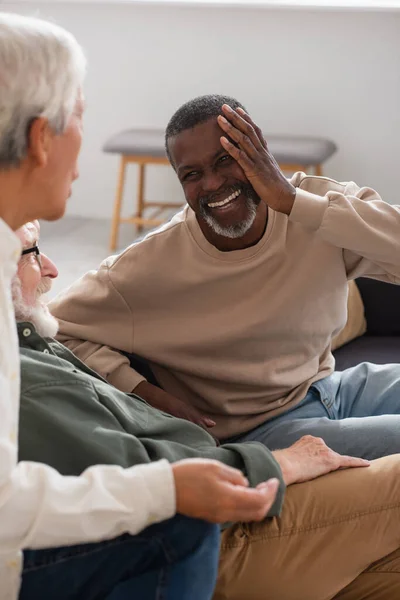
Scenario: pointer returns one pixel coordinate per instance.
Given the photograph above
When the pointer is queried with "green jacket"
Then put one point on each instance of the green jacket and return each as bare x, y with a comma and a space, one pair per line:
71, 418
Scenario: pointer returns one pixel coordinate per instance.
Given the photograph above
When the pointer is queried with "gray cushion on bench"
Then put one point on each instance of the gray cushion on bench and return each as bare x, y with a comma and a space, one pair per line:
144, 142
300, 150
285, 148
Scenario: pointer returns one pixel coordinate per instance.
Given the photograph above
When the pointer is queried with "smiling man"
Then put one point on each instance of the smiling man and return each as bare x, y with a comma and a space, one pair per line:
234, 303
229, 210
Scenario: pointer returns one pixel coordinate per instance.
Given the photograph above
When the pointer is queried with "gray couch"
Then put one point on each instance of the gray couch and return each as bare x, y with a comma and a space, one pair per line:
381, 343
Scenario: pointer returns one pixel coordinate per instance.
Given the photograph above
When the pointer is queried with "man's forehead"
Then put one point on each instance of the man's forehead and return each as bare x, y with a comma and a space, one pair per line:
196, 144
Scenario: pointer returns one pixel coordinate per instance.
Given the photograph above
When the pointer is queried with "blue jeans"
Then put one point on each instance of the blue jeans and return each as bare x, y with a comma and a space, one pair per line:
356, 412
173, 560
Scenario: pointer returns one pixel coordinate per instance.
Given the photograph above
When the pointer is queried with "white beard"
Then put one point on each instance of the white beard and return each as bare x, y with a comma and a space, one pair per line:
39, 315
233, 231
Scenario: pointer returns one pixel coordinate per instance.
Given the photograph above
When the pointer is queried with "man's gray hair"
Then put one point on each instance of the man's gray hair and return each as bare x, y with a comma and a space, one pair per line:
196, 111
42, 68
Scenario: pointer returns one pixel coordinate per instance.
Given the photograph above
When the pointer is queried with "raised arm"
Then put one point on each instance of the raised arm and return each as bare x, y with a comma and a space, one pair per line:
358, 221
354, 219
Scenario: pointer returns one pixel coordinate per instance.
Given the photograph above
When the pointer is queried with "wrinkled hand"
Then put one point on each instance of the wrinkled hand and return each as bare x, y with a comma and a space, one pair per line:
252, 154
310, 457
210, 490
166, 402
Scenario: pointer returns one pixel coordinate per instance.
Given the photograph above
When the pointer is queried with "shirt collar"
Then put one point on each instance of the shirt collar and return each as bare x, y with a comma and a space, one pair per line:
27, 334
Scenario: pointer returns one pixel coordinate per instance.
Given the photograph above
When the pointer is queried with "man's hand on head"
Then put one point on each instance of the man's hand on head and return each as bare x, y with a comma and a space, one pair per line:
160, 399
251, 152
310, 458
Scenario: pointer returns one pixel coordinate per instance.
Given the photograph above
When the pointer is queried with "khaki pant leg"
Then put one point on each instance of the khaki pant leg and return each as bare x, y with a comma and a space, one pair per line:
330, 531
379, 582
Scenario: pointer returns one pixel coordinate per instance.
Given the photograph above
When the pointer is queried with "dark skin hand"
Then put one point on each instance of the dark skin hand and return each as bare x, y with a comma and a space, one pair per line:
160, 399
252, 154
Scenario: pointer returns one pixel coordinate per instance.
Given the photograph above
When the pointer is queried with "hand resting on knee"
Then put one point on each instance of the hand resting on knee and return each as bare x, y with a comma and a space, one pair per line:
310, 457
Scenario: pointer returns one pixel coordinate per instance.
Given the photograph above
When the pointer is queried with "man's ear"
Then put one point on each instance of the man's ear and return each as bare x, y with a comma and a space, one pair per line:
40, 139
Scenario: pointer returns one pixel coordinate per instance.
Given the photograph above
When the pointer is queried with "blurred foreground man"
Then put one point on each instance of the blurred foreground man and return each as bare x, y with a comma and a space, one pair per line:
42, 69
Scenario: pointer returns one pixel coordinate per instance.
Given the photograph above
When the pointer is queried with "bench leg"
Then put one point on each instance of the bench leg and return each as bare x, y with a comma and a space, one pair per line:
117, 205
140, 193
318, 170
292, 168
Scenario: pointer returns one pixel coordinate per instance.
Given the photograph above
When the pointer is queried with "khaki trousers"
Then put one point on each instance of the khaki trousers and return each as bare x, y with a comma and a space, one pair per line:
337, 537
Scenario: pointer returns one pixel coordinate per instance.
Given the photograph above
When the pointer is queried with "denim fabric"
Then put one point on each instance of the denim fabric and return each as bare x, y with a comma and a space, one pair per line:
173, 560
356, 412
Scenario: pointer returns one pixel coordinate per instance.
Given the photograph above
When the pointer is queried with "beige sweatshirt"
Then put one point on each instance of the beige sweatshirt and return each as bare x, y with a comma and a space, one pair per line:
241, 335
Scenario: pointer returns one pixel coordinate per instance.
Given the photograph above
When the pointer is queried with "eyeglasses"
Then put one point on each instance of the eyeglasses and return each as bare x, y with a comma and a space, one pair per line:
36, 250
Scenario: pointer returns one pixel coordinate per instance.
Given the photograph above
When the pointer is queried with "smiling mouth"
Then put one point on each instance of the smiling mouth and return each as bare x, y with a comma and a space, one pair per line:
226, 201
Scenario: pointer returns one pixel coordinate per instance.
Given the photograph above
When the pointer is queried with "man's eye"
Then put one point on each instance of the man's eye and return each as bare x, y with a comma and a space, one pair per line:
190, 175
224, 158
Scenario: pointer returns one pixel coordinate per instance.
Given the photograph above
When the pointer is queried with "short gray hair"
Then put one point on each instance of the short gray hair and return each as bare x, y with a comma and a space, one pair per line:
196, 111
42, 68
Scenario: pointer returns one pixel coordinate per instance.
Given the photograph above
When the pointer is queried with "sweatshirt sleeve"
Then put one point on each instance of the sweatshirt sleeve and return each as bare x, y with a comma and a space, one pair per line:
96, 323
358, 221
69, 428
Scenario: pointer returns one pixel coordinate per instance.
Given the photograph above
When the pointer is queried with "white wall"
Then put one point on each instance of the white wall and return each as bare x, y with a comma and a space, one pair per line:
334, 74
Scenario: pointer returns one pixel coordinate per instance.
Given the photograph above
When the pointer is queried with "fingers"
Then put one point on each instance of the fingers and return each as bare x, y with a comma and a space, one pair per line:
239, 128
246, 142
232, 476
249, 120
347, 462
253, 504
238, 154
207, 422
251, 499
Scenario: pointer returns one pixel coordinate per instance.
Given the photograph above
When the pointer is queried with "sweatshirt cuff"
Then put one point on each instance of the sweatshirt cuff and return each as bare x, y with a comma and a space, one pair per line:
265, 464
308, 209
161, 492
125, 378
259, 466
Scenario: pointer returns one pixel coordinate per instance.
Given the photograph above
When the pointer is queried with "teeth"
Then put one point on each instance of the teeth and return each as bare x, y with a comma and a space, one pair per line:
223, 202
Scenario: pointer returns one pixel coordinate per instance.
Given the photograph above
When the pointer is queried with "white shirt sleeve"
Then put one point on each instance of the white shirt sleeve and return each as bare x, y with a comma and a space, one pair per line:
38, 506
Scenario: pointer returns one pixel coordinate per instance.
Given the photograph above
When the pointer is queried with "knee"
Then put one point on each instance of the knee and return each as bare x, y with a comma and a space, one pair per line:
211, 534
198, 533
207, 544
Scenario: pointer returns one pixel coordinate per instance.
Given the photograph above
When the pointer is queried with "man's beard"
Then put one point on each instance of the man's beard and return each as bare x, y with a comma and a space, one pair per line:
38, 314
239, 229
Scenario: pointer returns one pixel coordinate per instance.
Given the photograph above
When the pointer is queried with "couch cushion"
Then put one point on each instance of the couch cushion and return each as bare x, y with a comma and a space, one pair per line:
376, 349
381, 305
356, 324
